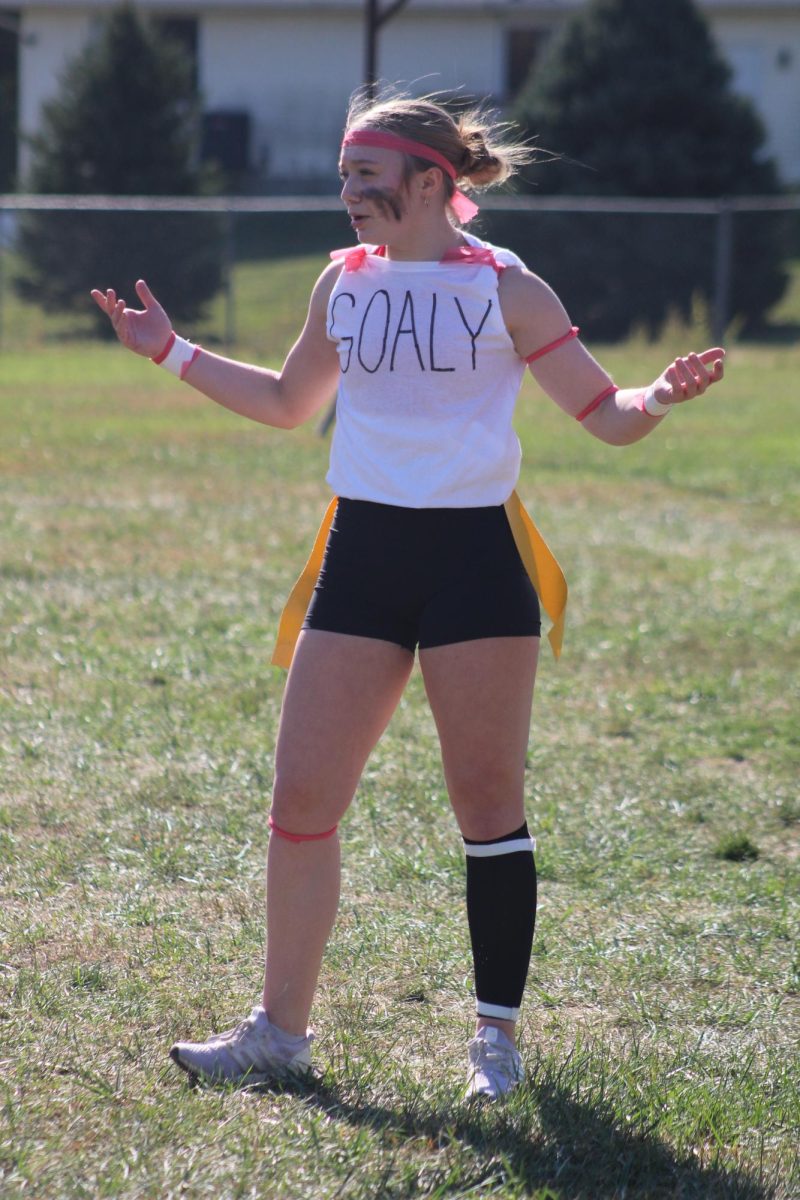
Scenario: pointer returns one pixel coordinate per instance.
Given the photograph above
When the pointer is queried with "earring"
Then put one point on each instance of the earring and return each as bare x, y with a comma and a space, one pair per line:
427, 201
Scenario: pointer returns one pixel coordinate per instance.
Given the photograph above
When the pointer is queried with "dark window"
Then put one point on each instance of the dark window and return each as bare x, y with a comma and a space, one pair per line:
9, 71
523, 50
226, 140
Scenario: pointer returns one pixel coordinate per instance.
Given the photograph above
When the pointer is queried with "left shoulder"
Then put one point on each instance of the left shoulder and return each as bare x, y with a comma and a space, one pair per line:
533, 314
502, 256
526, 297
517, 285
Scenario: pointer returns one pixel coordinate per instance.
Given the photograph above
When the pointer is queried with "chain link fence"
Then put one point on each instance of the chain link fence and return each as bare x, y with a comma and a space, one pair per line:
200, 244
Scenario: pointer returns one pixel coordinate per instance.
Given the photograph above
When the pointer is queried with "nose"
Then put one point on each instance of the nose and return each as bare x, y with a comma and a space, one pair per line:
349, 189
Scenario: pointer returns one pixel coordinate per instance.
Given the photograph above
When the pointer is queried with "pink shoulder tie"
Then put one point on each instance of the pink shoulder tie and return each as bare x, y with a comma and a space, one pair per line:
355, 256
479, 255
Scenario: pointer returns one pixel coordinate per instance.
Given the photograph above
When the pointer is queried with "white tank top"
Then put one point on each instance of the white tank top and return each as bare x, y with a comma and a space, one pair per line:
429, 379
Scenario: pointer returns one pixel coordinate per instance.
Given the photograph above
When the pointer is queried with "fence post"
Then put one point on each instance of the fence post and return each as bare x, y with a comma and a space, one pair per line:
723, 270
229, 255
2, 274
5, 243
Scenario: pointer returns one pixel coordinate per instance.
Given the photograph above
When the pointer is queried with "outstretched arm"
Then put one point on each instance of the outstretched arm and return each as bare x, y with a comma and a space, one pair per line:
569, 374
284, 398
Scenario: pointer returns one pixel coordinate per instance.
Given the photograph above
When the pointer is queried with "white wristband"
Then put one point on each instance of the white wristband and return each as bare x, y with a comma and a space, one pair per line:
653, 407
177, 356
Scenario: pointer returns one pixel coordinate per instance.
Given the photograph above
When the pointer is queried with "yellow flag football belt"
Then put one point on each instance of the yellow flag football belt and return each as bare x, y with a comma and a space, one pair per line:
538, 559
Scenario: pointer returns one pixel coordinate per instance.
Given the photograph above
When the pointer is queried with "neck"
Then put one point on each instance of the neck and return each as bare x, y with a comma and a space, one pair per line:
426, 241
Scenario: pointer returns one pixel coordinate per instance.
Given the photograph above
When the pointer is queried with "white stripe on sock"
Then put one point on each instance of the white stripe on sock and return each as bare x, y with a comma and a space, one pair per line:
496, 1010
492, 849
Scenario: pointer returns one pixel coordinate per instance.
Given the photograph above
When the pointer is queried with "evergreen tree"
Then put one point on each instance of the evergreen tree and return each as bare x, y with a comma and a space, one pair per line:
635, 100
122, 125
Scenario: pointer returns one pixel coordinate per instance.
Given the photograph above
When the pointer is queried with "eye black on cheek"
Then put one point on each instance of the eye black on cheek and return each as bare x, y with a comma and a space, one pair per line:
385, 200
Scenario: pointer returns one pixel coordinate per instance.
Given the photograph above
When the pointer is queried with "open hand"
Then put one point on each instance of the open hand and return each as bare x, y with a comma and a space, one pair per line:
690, 376
145, 331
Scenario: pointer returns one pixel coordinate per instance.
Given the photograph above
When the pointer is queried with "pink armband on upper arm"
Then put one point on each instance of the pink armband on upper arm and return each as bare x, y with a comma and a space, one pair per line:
566, 337
598, 400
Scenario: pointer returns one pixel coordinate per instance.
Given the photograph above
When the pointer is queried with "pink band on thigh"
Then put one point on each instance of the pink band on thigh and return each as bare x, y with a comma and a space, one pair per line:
301, 837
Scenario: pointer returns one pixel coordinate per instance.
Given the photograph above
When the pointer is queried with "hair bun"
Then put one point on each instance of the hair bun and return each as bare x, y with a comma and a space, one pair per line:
480, 165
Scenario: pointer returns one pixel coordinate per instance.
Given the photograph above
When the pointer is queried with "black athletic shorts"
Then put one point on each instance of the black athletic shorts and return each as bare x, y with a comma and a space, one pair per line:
426, 577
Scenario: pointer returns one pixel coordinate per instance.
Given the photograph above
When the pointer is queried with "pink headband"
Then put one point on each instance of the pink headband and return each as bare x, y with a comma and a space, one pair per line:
464, 208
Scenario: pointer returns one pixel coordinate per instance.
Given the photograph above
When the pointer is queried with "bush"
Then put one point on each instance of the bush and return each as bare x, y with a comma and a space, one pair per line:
122, 125
634, 100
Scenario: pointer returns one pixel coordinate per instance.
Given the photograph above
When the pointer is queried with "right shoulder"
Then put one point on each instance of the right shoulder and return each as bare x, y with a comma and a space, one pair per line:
325, 284
327, 280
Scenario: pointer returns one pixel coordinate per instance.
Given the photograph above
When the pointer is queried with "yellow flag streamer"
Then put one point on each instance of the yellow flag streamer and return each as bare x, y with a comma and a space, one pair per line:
538, 559
296, 607
542, 567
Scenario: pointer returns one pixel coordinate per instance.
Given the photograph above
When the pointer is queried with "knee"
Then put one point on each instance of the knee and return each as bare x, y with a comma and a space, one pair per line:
487, 815
485, 785
302, 805
484, 826
488, 803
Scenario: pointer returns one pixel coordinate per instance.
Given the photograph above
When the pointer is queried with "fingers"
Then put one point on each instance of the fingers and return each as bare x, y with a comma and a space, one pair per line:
108, 300
115, 310
690, 376
105, 300
145, 295
716, 358
117, 314
711, 355
109, 303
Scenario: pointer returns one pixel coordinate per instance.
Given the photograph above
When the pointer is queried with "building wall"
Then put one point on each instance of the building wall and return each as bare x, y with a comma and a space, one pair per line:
463, 54
49, 39
296, 74
765, 57
293, 72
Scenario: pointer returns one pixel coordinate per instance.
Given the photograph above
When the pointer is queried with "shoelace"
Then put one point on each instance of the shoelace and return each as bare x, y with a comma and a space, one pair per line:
231, 1036
489, 1056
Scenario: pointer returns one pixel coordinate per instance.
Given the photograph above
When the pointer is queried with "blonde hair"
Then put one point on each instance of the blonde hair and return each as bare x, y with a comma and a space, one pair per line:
477, 145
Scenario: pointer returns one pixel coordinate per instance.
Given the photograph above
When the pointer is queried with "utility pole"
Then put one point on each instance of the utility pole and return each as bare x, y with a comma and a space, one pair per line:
375, 18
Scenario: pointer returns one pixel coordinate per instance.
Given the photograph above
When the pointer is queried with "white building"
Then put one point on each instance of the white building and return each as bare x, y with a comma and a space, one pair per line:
287, 67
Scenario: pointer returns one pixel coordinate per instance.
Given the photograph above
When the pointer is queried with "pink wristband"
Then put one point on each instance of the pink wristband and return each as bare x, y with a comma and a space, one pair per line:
177, 355
170, 342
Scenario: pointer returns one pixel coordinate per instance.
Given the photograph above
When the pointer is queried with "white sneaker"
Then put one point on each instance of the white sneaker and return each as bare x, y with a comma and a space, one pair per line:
495, 1067
254, 1051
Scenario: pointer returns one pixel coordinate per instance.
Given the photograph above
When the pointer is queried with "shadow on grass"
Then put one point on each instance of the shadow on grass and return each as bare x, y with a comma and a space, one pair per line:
545, 1141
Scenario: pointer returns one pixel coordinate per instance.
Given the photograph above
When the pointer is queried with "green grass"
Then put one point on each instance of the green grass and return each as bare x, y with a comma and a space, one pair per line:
148, 542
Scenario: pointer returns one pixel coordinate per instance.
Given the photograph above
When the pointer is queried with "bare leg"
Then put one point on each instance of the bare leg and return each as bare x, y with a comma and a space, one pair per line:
340, 694
302, 899
481, 694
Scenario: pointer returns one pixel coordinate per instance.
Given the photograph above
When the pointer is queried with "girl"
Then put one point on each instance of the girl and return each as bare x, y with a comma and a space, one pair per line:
427, 332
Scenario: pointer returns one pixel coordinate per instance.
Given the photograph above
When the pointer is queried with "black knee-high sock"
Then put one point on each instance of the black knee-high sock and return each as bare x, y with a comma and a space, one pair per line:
501, 910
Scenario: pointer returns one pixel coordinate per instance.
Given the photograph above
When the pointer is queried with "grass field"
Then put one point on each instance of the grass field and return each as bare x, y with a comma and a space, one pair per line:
148, 542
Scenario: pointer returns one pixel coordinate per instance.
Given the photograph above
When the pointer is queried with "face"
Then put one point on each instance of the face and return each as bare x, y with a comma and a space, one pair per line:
374, 190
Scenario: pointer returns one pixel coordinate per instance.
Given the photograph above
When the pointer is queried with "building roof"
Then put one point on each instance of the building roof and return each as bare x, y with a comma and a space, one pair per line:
500, 7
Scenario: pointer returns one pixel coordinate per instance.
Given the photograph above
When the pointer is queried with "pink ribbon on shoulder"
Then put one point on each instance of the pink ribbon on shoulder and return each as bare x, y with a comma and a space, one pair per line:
480, 256
355, 256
